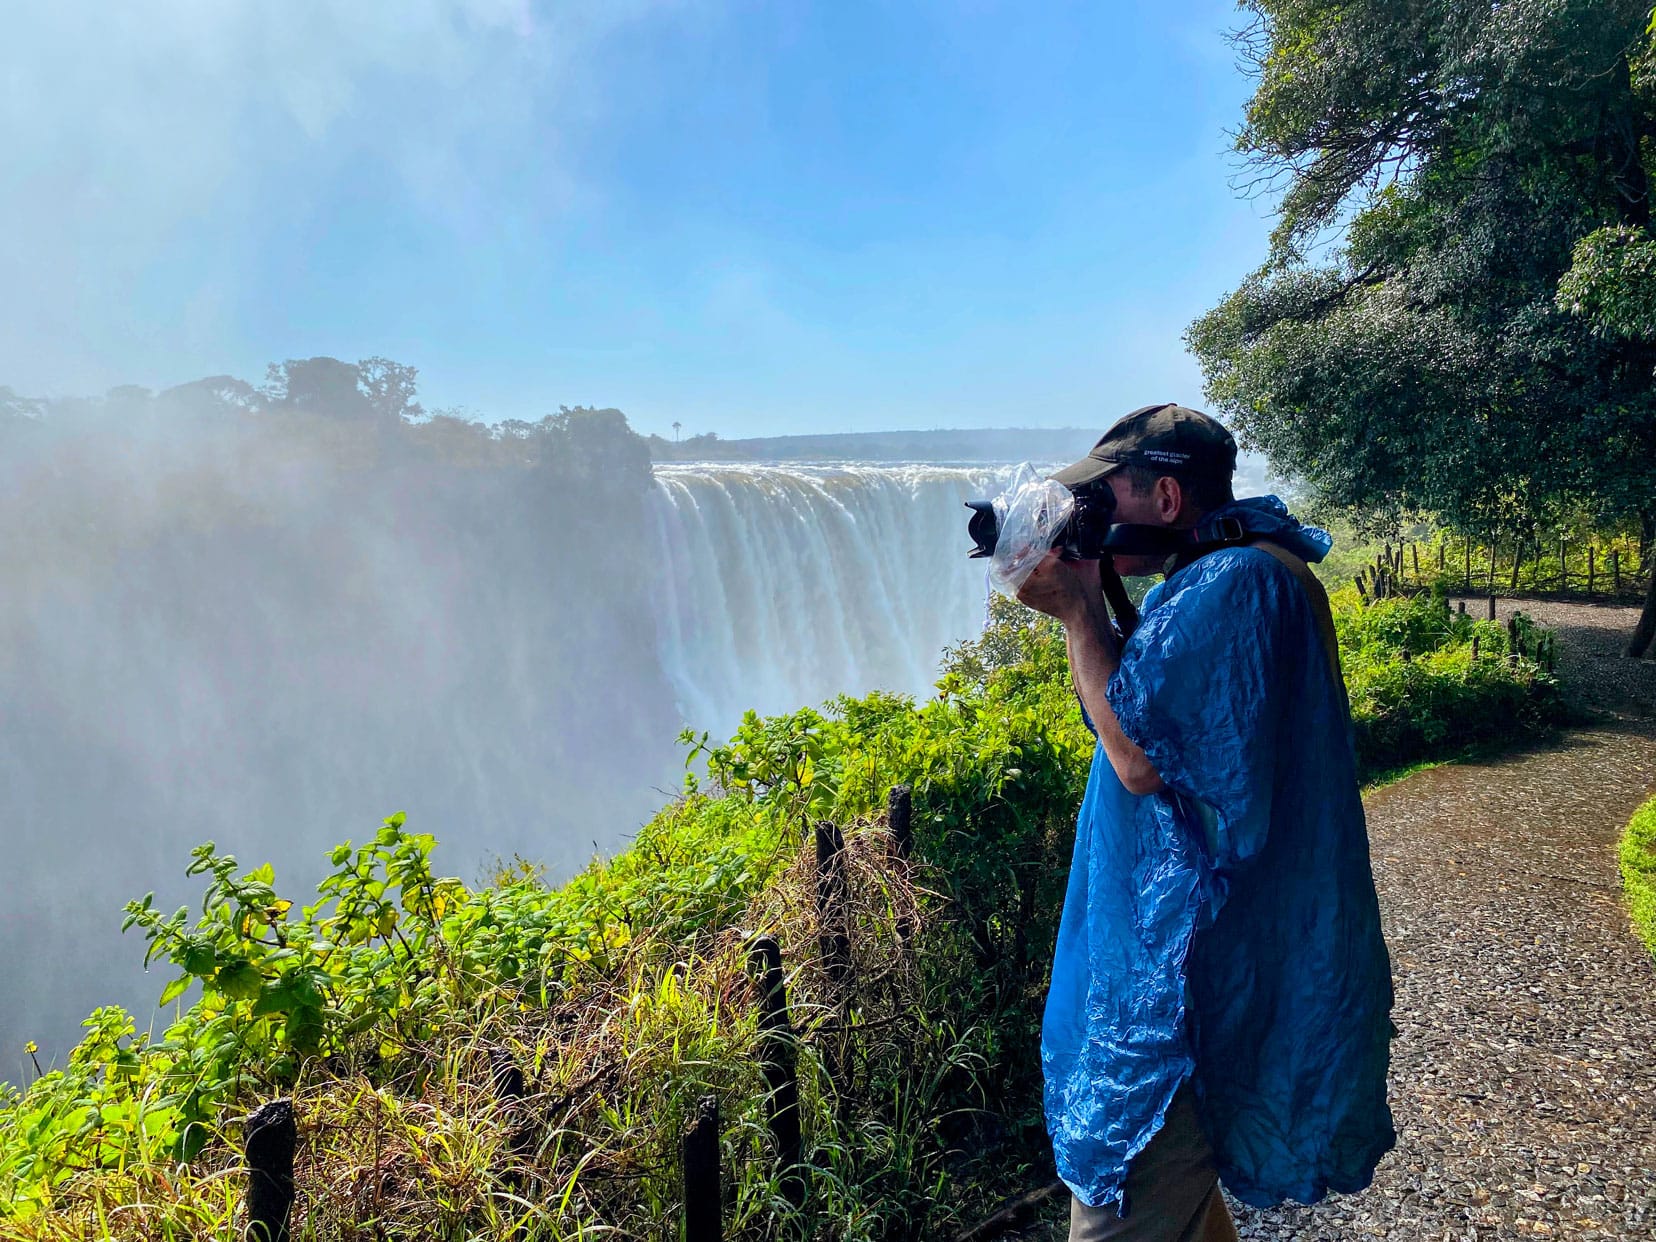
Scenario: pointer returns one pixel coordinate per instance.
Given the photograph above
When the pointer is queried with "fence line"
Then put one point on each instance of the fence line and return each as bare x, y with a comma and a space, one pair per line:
1588, 571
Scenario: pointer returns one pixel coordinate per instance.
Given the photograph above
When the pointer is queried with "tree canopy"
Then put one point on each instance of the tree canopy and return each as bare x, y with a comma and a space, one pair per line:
1458, 311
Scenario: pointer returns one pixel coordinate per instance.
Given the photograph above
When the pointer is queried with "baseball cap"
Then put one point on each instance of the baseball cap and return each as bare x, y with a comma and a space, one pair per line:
1166, 438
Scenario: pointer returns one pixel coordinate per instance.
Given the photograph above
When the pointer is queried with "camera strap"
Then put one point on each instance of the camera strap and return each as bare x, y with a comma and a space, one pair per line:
1186, 546
1318, 596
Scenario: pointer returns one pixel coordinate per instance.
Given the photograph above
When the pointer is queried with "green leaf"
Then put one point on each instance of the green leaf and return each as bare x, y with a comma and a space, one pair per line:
174, 990
240, 980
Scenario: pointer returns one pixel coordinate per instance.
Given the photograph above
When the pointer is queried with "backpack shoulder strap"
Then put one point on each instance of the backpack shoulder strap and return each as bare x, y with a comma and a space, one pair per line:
1320, 610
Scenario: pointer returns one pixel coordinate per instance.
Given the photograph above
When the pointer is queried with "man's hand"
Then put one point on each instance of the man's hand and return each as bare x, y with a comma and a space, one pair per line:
1067, 590
1073, 592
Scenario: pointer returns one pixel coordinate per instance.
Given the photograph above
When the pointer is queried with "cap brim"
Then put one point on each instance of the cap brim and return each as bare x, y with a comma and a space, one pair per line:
1088, 470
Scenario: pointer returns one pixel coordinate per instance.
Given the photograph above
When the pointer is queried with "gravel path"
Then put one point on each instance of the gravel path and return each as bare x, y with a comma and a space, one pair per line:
1523, 1080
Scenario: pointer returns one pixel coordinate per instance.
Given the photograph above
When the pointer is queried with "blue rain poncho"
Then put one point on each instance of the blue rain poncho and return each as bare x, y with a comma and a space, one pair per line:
1226, 929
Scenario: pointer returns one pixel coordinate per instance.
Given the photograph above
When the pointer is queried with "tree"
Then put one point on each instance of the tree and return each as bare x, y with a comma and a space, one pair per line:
373, 390
1455, 312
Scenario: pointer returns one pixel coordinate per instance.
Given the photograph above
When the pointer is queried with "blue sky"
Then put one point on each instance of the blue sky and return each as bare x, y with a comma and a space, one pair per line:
748, 218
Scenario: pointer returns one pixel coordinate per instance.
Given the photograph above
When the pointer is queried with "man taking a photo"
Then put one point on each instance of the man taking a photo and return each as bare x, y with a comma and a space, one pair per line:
1220, 988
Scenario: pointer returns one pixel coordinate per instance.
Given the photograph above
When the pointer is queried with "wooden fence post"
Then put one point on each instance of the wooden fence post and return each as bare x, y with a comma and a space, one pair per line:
900, 816
272, 1136
509, 1089
1474, 647
1492, 547
834, 936
1443, 550
1492, 605
1592, 569
1615, 568
778, 1065
834, 943
1461, 604
1513, 650
1563, 570
699, 1148
1414, 554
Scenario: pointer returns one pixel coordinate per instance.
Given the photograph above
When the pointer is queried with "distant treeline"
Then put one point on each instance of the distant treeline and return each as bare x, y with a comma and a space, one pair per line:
1001, 444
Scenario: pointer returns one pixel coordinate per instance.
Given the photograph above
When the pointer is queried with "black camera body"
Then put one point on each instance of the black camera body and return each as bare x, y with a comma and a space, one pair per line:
1082, 537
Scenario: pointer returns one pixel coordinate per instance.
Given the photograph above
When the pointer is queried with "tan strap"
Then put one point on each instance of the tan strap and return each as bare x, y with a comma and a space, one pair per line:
1320, 609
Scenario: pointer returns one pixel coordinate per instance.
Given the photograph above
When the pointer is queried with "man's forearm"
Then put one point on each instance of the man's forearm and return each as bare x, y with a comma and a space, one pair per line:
1094, 657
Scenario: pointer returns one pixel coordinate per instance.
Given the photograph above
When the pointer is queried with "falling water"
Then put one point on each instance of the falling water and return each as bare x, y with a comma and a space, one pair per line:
784, 585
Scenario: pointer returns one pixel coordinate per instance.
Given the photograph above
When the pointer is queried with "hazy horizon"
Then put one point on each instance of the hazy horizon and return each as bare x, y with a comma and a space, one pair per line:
747, 222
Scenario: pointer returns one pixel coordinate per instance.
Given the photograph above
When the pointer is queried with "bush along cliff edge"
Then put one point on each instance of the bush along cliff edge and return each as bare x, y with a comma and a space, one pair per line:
843, 983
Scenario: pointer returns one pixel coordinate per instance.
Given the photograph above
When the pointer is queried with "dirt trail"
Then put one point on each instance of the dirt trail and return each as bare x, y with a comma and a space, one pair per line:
1524, 1077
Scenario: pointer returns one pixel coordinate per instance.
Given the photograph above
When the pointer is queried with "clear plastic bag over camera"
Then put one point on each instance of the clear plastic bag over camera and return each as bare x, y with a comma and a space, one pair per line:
1030, 512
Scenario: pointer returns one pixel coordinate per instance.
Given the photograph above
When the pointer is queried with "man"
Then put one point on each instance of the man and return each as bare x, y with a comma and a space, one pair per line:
1220, 989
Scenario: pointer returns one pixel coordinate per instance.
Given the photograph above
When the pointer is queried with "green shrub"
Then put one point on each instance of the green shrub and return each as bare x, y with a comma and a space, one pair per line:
622, 993
1638, 869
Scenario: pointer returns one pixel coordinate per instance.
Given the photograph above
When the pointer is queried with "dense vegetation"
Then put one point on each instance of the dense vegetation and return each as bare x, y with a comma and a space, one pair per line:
381, 1007
1455, 317
1638, 868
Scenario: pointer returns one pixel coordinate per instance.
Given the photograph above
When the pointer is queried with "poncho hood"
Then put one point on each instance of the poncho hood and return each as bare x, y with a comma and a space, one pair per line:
1269, 518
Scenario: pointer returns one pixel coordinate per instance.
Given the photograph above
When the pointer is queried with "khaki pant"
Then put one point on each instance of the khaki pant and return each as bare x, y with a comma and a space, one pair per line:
1172, 1190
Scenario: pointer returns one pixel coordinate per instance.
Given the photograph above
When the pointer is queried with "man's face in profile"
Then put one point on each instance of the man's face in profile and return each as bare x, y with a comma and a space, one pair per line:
1161, 505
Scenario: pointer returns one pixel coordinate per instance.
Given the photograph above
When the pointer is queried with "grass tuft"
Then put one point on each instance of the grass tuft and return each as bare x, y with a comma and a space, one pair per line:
1638, 869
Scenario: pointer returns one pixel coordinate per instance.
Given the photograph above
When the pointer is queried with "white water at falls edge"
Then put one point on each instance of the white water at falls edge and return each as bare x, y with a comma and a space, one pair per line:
782, 586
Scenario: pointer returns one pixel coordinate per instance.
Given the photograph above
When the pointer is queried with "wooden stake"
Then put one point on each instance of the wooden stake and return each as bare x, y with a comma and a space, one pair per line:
899, 815
778, 1064
699, 1149
272, 1136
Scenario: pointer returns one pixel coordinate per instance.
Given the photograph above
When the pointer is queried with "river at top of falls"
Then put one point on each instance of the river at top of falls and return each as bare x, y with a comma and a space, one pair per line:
782, 585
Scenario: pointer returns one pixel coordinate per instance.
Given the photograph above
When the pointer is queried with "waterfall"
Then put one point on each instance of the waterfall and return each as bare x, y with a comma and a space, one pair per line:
783, 585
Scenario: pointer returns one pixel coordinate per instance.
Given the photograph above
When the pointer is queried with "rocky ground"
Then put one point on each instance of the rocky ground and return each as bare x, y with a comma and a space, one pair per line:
1524, 1077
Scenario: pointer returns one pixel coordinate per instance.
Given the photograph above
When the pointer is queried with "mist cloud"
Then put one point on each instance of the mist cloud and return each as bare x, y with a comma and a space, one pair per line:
159, 148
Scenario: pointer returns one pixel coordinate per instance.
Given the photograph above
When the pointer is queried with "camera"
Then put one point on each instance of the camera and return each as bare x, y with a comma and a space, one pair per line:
1079, 536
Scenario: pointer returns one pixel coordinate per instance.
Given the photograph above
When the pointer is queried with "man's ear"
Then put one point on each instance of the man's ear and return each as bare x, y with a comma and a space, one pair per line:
1169, 497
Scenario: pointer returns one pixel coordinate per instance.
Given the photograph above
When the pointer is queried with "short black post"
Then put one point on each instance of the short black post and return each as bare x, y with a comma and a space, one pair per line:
1474, 647
1513, 649
1615, 569
509, 1088
272, 1136
1362, 591
1461, 605
834, 944
700, 1150
900, 815
1492, 605
834, 937
778, 1064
